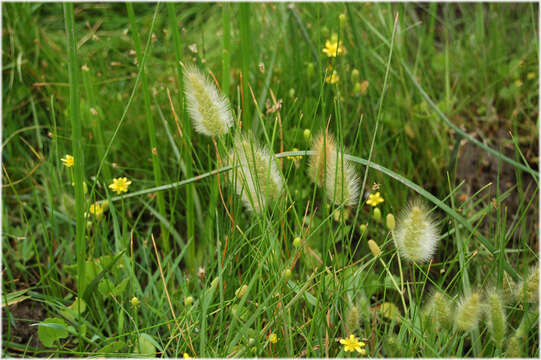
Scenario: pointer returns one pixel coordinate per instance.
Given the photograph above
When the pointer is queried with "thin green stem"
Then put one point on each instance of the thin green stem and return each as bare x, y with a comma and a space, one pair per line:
150, 124
190, 217
76, 140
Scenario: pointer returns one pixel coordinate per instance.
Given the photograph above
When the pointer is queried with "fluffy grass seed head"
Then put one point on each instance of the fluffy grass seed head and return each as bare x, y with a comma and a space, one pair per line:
328, 169
209, 109
496, 317
528, 290
514, 347
256, 178
416, 233
440, 309
468, 312
353, 319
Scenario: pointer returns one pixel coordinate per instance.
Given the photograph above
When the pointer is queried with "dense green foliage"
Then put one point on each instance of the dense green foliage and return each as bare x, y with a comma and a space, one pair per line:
189, 270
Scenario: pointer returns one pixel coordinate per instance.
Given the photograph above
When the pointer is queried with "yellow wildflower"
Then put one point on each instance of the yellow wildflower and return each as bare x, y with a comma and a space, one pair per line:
68, 160
375, 199
135, 301
333, 48
186, 356
97, 210
120, 185
333, 78
353, 344
273, 338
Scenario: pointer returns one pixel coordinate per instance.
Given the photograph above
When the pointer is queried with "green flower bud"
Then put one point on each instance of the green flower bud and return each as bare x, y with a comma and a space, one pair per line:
188, 300
357, 88
297, 242
325, 31
342, 19
310, 69
292, 93
286, 274
390, 222
374, 248
377, 214
355, 75
307, 135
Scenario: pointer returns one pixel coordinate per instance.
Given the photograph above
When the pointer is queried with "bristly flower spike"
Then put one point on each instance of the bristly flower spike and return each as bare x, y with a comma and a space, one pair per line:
209, 109
468, 311
328, 169
256, 177
416, 234
496, 317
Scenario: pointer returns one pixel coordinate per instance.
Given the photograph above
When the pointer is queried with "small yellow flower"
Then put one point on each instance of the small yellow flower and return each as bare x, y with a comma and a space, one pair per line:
531, 76
135, 301
375, 199
97, 210
120, 185
518, 83
68, 160
353, 344
333, 48
273, 338
333, 78
186, 356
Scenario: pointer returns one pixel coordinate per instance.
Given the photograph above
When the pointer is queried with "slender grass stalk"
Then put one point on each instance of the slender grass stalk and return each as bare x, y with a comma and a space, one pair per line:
76, 140
246, 54
226, 50
88, 78
187, 132
150, 124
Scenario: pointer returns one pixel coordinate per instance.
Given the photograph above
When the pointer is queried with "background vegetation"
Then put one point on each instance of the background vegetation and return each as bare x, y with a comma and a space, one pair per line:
478, 63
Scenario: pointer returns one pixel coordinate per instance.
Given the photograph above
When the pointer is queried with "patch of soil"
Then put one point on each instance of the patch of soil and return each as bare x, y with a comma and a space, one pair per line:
16, 324
479, 168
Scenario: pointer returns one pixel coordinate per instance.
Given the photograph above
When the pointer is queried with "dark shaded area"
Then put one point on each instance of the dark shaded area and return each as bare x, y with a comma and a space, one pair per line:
17, 322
